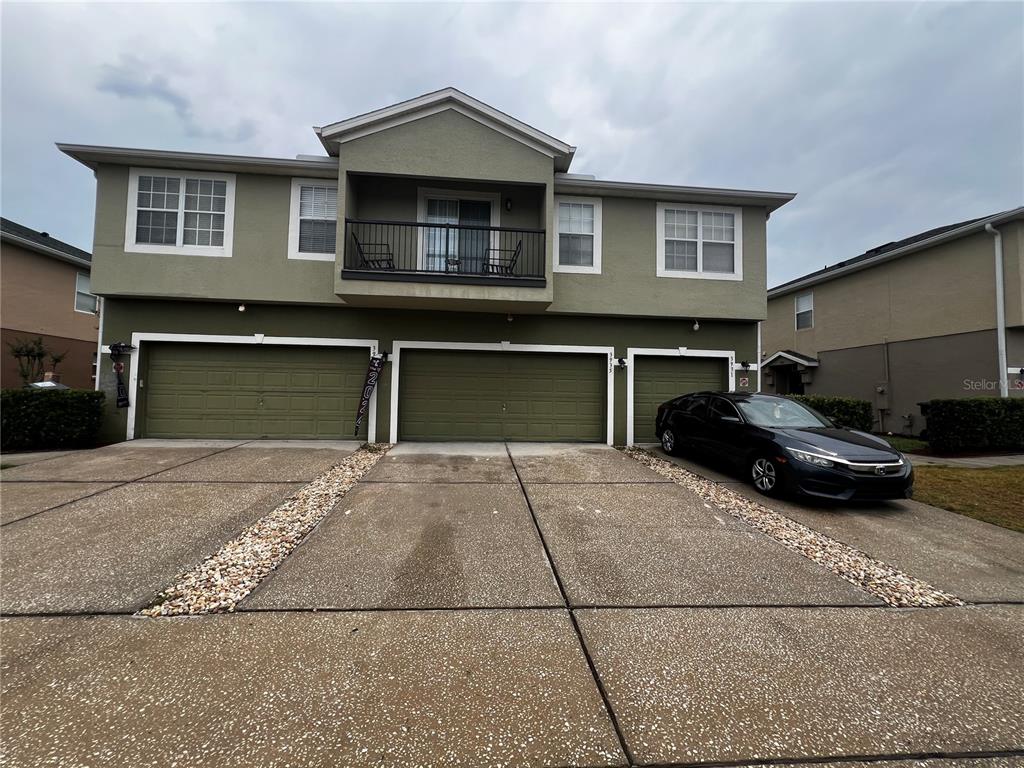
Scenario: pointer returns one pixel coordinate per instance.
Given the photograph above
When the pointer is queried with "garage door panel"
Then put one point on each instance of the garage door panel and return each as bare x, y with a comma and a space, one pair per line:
465, 395
253, 391
657, 379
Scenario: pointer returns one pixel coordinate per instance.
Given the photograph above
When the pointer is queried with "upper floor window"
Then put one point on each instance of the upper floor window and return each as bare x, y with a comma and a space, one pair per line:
804, 308
84, 300
313, 220
181, 212
577, 246
699, 241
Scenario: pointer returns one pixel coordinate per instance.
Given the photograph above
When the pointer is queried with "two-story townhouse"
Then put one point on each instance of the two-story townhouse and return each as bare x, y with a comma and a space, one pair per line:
511, 299
45, 295
936, 315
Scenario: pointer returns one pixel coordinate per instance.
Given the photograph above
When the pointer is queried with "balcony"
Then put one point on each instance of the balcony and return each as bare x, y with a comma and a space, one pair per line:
405, 251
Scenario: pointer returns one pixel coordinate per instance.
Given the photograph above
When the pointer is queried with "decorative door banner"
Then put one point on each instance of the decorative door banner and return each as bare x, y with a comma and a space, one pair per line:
118, 349
372, 374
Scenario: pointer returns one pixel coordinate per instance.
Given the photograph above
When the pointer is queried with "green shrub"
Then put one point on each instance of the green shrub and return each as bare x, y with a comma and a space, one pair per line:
41, 420
844, 411
975, 424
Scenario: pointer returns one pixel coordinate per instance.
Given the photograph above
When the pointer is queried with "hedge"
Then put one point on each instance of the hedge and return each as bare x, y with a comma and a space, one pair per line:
974, 424
42, 420
844, 411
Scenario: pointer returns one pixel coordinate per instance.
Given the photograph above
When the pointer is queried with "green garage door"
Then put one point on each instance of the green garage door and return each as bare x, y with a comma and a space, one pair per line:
243, 391
657, 379
452, 395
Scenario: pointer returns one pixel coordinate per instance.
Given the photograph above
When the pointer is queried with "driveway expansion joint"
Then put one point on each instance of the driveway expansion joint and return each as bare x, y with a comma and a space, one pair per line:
832, 759
228, 576
616, 727
882, 580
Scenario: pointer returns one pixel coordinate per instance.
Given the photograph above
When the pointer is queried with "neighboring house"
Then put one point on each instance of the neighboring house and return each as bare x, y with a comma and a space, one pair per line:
937, 315
514, 300
45, 293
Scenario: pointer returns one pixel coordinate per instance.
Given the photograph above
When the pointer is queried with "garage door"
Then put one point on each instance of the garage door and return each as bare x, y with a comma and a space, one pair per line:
252, 391
657, 379
452, 395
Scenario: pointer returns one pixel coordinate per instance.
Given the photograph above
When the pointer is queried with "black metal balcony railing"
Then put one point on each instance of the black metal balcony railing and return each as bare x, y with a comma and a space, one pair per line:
397, 250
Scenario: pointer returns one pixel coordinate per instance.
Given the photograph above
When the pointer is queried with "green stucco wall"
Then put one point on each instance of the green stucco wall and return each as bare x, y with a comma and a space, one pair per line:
123, 317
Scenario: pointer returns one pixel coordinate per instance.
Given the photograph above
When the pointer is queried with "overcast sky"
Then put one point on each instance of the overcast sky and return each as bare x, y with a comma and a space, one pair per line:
885, 118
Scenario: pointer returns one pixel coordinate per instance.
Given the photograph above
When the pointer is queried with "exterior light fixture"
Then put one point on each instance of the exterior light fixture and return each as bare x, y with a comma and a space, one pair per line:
508, 204
621, 362
745, 365
241, 307
696, 325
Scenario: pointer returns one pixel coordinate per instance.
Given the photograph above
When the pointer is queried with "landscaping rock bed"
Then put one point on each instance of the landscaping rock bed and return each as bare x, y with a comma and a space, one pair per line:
219, 583
873, 576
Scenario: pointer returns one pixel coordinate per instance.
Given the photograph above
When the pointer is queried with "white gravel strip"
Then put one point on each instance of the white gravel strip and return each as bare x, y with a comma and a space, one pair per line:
873, 576
220, 582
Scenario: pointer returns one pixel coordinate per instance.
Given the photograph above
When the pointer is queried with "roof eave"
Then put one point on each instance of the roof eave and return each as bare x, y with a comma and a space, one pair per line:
91, 156
671, 193
45, 250
802, 283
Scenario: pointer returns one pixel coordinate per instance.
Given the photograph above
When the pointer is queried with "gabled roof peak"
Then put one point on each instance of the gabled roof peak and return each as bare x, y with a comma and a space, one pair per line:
437, 101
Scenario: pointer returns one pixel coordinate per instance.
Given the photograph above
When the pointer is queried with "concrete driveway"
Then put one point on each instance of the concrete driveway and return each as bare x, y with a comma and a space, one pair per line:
553, 605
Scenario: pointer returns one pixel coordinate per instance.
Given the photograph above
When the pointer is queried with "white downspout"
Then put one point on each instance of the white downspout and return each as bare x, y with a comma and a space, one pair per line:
1004, 383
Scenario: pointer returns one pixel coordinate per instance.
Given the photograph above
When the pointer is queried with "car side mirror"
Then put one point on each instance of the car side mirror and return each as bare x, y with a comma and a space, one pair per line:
730, 419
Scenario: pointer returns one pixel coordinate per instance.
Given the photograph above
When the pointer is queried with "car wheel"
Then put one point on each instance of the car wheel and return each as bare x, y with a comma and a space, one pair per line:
764, 472
668, 442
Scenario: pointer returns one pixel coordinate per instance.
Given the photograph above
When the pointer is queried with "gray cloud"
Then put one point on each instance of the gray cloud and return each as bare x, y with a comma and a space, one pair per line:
886, 118
132, 78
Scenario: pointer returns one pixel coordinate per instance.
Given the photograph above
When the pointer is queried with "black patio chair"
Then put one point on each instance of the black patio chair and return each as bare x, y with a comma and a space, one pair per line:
374, 255
501, 264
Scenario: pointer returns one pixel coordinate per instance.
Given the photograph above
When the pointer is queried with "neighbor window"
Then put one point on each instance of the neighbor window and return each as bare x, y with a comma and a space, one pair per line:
578, 241
179, 212
313, 226
84, 300
697, 241
804, 305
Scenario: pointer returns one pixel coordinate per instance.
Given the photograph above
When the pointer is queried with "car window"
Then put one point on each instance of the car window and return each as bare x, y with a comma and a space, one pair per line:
695, 406
723, 408
772, 412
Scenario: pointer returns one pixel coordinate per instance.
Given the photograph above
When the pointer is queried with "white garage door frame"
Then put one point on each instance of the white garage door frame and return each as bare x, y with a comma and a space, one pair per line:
728, 356
502, 346
256, 339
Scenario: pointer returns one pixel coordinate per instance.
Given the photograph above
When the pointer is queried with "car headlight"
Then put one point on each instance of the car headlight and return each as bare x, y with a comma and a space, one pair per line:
810, 458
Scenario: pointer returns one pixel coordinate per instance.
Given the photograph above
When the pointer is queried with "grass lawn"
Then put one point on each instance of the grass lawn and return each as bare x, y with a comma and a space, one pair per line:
993, 494
906, 444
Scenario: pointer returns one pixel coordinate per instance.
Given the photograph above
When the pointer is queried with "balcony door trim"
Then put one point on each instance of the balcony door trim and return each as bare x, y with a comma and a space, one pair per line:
431, 193
501, 346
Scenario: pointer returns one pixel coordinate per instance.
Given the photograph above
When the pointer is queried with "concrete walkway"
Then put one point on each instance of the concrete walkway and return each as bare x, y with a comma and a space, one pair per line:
973, 462
472, 605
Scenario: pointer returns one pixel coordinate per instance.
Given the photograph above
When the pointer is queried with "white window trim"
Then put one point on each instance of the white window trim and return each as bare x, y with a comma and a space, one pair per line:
293, 221
569, 268
659, 228
89, 293
130, 246
422, 193
796, 310
727, 356
502, 346
201, 338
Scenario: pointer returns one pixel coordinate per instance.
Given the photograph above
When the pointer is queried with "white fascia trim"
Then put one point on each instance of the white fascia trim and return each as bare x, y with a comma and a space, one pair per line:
91, 155
433, 193
727, 355
99, 347
431, 103
1015, 369
130, 246
598, 228
501, 346
259, 338
293, 220
759, 355
659, 231
784, 356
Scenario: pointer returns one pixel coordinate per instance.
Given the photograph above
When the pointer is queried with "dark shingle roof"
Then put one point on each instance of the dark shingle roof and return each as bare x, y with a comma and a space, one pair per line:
879, 250
42, 239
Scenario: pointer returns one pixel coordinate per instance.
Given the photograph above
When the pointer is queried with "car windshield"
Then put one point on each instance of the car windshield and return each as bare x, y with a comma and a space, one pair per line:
779, 413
